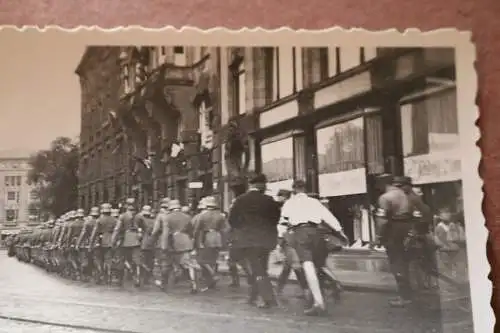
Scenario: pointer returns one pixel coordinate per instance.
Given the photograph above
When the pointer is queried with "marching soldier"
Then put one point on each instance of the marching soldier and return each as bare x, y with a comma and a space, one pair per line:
125, 239
174, 230
53, 245
83, 244
100, 244
394, 218
160, 253
74, 230
64, 243
208, 228
145, 266
115, 213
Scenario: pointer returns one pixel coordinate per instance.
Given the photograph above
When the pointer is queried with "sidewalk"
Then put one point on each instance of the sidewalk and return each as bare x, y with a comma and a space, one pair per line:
357, 270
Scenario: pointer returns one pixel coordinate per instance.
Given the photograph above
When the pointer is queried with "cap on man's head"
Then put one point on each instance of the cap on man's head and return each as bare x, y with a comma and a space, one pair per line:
399, 180
259, 178
299, 185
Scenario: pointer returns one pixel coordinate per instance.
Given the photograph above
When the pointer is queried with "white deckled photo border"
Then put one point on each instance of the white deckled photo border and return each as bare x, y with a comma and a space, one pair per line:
467, 87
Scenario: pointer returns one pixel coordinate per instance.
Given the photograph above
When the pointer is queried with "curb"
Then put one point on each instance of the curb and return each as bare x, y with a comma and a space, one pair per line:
347, 286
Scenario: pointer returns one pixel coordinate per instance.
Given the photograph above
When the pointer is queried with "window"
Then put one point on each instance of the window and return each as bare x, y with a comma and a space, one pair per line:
277, 163
430, 125
33, 195
18, 180
6, 180
315, 65
179, 56
284, 71
241, 88
11, 196
341, 158
11, 215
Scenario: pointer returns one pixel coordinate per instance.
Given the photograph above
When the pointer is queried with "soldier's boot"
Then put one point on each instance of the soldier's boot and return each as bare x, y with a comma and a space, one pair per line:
266, 291
194, 277
235, 276
283, 279
208, 273
162, 283
138, 276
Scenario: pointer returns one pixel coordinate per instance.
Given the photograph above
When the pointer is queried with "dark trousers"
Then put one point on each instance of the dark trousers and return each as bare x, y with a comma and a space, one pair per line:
260, 284
399, 263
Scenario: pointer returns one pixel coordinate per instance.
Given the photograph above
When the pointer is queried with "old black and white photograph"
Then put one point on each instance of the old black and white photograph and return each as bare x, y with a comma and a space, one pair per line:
189, 181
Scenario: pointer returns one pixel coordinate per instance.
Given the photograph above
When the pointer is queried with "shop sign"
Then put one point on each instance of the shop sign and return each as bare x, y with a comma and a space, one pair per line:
342, 90
279, 114
434, 168
342, 183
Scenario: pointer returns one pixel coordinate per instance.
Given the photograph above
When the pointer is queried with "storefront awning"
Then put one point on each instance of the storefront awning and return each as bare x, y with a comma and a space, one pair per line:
9, 232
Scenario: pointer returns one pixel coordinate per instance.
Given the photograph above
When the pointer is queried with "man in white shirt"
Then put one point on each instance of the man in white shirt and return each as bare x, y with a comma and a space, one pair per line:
303, 215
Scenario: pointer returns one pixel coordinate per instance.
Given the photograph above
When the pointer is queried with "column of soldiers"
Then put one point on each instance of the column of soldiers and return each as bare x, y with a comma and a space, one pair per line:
107, 246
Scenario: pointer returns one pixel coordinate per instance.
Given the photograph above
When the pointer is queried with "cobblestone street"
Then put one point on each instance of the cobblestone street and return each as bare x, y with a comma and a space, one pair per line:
32, 300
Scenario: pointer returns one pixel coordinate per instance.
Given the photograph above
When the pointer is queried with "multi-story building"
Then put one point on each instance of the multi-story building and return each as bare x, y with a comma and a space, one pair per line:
204, 117
15, 193
339, 117
148, 121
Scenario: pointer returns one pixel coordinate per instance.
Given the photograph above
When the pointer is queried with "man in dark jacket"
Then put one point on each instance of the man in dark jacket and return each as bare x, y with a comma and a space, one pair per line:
255, 216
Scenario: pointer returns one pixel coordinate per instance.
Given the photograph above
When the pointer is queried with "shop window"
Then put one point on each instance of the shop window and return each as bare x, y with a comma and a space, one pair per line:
315, 65
341, 158
431, 143
299, 147
298, 68
277, 163
374, 135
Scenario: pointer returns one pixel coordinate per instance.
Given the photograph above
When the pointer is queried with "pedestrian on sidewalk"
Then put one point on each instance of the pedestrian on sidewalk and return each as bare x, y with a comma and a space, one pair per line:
236, 257
292, 261
254, 216
304, 216
449, 236
395, 222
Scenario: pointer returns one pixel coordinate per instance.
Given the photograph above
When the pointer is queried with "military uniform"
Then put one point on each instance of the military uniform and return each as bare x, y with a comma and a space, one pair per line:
395, 222
174, 231
145, 224
83, 244
101, 243
208, 228
74, 229
126, 240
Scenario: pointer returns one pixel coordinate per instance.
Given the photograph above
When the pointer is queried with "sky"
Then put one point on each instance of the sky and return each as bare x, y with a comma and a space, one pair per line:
39, 90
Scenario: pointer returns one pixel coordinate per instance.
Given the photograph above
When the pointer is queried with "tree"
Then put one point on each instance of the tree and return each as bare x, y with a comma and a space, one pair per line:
54, 176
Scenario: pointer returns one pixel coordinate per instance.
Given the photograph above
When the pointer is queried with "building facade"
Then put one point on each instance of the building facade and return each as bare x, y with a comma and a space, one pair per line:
16, 196
185, 122
149, 116
337, 118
